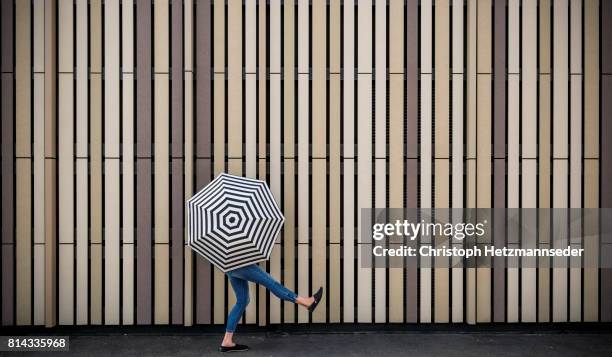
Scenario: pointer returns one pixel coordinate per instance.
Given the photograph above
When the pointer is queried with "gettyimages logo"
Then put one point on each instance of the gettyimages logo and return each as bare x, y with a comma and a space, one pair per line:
412, 230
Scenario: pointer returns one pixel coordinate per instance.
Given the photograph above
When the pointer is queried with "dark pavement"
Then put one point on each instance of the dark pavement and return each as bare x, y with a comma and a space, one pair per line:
347, 344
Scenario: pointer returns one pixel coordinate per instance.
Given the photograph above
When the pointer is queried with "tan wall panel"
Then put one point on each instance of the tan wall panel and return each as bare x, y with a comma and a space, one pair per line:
161, 33
319, 234
23, 233
162, 284
161, 159
127, 294
349, 163
234, 77
66, 159
82, 244
289, 236
112, 237
66, 284
95, 278
23, 75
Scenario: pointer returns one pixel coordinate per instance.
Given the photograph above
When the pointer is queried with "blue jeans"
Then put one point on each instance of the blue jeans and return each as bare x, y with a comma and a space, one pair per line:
240, 278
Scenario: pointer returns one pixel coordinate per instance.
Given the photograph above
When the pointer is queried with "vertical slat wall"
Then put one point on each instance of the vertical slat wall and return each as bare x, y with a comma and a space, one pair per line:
115, 112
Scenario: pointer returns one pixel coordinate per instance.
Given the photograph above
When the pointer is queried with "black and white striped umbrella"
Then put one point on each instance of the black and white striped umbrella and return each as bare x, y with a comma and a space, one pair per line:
233, 221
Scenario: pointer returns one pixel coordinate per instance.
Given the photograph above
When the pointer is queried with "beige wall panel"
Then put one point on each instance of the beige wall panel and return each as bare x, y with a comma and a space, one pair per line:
250, 47
66, 159
250, 36
95, 278
250, 125
112, 236
161, 159
349, 163
483, 179
441, 150
380, 276
457, 284
112, 69
39, 158
127, 199
39, 284
334, 198
319, 234
364, 200
39, 202
560, 200
529, 240
441, 275
591, 245
396, 184
303, 279
161, 285
82, 89
127, 293
426, 25
303, 32
591, 76
127, 36
66, 284
364, 34
23, 76
485, 36
65, 35
219, 36
161, 34
349, 241
82, 243
560, 79
23, 250
275, 271
380, 141
234, 86
575, 37
188, 256
426, 134
335, 49
303, 169
529, 80
219, 123
319, 95
303, 164
95, 168
441, 78
514, 28
470, 144
545, 36
576, 169
289, 236
38, 40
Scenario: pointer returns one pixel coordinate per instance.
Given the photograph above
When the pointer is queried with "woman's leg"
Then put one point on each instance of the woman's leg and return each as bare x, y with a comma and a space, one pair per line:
241, 290
256, 275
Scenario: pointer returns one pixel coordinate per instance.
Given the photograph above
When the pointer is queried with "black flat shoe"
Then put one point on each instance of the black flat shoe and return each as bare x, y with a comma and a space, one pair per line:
317, 298
235, 348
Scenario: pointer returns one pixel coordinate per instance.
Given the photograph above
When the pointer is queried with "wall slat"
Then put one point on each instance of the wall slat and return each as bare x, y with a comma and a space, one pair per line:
23, 163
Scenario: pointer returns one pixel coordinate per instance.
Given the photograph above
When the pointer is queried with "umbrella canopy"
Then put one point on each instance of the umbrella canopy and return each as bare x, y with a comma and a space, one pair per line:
233, 221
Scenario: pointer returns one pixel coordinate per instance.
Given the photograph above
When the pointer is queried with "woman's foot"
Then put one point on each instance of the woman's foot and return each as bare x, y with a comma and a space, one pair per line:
317, 298
234, 348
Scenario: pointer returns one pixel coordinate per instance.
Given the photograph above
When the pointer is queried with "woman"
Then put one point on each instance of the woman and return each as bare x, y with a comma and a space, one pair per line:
239, 279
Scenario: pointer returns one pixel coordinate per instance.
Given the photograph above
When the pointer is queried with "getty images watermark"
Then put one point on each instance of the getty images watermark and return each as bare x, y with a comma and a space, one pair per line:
491, 237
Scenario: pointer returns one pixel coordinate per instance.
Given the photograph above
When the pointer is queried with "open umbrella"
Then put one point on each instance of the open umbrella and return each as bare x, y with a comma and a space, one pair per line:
233, 221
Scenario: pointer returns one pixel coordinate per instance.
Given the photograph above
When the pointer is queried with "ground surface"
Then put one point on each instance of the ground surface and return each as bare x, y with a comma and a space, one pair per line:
347, 344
